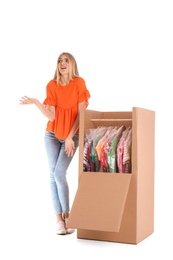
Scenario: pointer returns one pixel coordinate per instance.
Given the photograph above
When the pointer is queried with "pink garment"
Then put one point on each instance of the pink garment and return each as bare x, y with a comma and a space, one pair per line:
120, 151
127, 153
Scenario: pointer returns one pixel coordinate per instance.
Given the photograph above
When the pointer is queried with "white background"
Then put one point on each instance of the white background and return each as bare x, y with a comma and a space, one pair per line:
124, 51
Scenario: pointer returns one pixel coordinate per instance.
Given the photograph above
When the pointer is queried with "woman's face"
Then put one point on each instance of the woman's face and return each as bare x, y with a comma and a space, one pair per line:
63, 64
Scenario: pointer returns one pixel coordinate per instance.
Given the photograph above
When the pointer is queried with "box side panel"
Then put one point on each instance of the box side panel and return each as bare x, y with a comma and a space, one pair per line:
145, 141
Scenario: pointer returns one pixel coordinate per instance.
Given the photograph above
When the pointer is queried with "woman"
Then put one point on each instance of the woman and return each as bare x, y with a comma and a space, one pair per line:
66, 97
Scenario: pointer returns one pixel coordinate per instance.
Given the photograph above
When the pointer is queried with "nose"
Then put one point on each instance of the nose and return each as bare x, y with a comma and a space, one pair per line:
63, 62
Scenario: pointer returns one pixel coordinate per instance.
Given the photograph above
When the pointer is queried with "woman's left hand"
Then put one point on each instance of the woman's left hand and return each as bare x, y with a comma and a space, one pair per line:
27, 100
69, 147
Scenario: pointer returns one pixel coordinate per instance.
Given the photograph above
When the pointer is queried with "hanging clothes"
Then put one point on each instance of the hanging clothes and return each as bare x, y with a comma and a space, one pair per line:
108, 149
112, 153
127, 153
120, 150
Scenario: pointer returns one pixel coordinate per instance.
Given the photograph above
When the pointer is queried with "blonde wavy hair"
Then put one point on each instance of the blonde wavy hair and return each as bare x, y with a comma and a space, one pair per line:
73, 68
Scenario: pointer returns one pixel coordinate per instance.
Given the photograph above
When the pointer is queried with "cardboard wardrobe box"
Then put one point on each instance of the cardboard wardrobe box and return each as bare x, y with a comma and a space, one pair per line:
117, 207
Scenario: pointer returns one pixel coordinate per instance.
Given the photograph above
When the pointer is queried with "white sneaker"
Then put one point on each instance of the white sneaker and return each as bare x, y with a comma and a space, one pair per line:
68, 230
61, 230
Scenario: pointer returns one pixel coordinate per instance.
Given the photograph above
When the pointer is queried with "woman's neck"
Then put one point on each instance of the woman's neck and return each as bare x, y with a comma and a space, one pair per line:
64, 80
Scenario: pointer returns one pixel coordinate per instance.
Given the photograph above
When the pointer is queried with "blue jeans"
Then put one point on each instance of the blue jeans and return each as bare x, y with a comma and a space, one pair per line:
58, 163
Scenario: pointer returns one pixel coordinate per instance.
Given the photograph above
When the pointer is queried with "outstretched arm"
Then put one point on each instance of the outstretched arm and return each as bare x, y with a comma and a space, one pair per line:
48, 111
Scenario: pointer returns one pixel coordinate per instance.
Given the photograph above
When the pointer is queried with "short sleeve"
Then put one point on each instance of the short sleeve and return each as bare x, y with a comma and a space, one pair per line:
50, 95
84, 97
84, 94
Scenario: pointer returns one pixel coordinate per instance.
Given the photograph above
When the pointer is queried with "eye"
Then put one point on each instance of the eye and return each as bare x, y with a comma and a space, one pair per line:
59, 61
67, 60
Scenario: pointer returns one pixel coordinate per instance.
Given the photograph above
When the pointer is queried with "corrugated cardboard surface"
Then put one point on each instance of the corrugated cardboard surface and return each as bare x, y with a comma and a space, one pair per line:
99, 202
118, 207
144, 158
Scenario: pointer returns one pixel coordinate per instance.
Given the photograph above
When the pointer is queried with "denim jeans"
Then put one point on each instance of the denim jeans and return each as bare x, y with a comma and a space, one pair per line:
58, 163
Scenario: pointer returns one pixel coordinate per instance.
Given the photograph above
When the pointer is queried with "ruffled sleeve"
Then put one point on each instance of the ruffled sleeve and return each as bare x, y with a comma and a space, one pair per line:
50, 94
84, 94
84, 97
51, 101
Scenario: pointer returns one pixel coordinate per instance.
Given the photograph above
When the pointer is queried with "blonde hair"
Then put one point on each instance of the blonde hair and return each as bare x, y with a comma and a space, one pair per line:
73, 69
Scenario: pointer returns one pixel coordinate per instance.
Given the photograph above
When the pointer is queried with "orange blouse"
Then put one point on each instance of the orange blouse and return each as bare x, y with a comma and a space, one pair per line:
65, 99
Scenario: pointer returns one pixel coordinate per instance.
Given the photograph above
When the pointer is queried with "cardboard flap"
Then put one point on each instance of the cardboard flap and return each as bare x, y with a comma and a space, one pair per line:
99, 202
